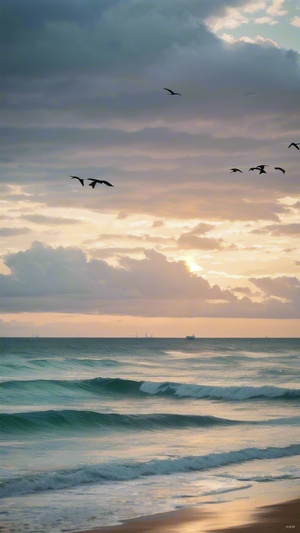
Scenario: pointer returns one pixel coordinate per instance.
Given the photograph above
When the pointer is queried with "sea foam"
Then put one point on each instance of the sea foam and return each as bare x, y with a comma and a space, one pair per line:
108, 472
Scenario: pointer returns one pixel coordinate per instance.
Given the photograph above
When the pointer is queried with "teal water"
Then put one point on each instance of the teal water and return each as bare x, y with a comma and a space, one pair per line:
97, 430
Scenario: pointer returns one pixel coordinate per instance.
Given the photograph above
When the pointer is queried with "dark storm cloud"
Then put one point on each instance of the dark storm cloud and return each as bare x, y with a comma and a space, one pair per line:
90, 35
63, 280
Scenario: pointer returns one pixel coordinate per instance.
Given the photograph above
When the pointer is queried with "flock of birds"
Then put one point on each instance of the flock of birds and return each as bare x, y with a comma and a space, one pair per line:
260, 168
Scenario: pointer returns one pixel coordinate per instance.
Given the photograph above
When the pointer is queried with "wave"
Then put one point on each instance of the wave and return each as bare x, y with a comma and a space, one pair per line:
108, 472
127, 387
218, 392
71, 419
75, 419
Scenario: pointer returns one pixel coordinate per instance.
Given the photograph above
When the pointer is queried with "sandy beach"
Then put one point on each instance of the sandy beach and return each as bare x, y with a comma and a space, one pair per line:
230, 517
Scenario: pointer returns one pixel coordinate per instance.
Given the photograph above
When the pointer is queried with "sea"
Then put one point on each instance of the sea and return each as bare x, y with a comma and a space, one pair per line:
99, 430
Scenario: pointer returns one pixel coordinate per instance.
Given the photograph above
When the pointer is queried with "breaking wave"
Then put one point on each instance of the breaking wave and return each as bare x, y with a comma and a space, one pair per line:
126, 387
109, 472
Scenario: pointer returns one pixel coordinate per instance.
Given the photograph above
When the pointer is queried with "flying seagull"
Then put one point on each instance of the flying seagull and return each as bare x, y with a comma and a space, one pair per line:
296, 145
262, 171
171, 92
94, 182
279, 168
235, 170
79, 179
262, 167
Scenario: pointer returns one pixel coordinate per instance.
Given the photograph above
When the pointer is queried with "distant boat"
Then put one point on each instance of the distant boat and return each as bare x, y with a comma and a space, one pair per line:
190, 337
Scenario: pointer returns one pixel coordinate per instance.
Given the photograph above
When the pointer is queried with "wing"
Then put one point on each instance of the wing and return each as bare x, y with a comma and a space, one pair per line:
106, 183
170, 91
93, 184
79, 179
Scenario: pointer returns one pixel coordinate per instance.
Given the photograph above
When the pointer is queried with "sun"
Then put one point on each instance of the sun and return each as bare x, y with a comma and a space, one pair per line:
193, 267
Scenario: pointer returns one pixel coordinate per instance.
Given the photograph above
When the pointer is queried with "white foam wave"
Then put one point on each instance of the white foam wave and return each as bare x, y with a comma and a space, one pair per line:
101, 473
217, 392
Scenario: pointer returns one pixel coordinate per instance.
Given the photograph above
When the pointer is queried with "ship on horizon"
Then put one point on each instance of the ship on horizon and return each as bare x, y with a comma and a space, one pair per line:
190, 337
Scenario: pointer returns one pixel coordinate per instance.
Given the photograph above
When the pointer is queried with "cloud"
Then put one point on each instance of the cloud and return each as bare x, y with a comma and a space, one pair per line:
12, 232
275, 8
280, 229
284, 287
83, 94
266, 20
61, 279
191, 239
295, 21
90, 36
51, 221
198, 243
157, 223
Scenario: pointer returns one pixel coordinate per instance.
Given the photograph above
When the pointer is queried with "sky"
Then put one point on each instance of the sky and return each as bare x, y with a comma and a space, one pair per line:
179, 244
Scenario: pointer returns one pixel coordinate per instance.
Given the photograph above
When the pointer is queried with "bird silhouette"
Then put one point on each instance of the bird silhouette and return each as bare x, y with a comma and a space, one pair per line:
261, 166
248, 94
235, 170
79, 179
296, 145
262, 171
279, 168
94, 182
172, 93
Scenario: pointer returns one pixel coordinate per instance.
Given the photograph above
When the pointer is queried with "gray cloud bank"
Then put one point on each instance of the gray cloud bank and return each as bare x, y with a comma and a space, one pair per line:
44, 279
83, 92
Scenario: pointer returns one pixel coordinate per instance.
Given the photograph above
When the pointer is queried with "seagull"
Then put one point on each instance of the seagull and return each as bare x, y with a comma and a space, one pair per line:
262, 171
79, 179
235, 170
279, 168
296, 145
262, 167
171, 92
94, 182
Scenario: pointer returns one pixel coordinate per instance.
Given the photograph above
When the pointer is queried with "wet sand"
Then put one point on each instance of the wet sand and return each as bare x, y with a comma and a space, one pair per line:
230, 517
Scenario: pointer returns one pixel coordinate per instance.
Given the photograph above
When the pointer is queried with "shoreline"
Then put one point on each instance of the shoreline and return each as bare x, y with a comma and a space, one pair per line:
246, 515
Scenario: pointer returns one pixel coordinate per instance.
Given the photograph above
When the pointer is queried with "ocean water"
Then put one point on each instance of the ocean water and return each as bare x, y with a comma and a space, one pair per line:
94, 431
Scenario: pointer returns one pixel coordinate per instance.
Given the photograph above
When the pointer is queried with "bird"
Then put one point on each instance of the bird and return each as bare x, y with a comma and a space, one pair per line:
235, 170
248, 94
296, 145
262, 166
279, 168
94, 182
262, 171
79, 179
172, 93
